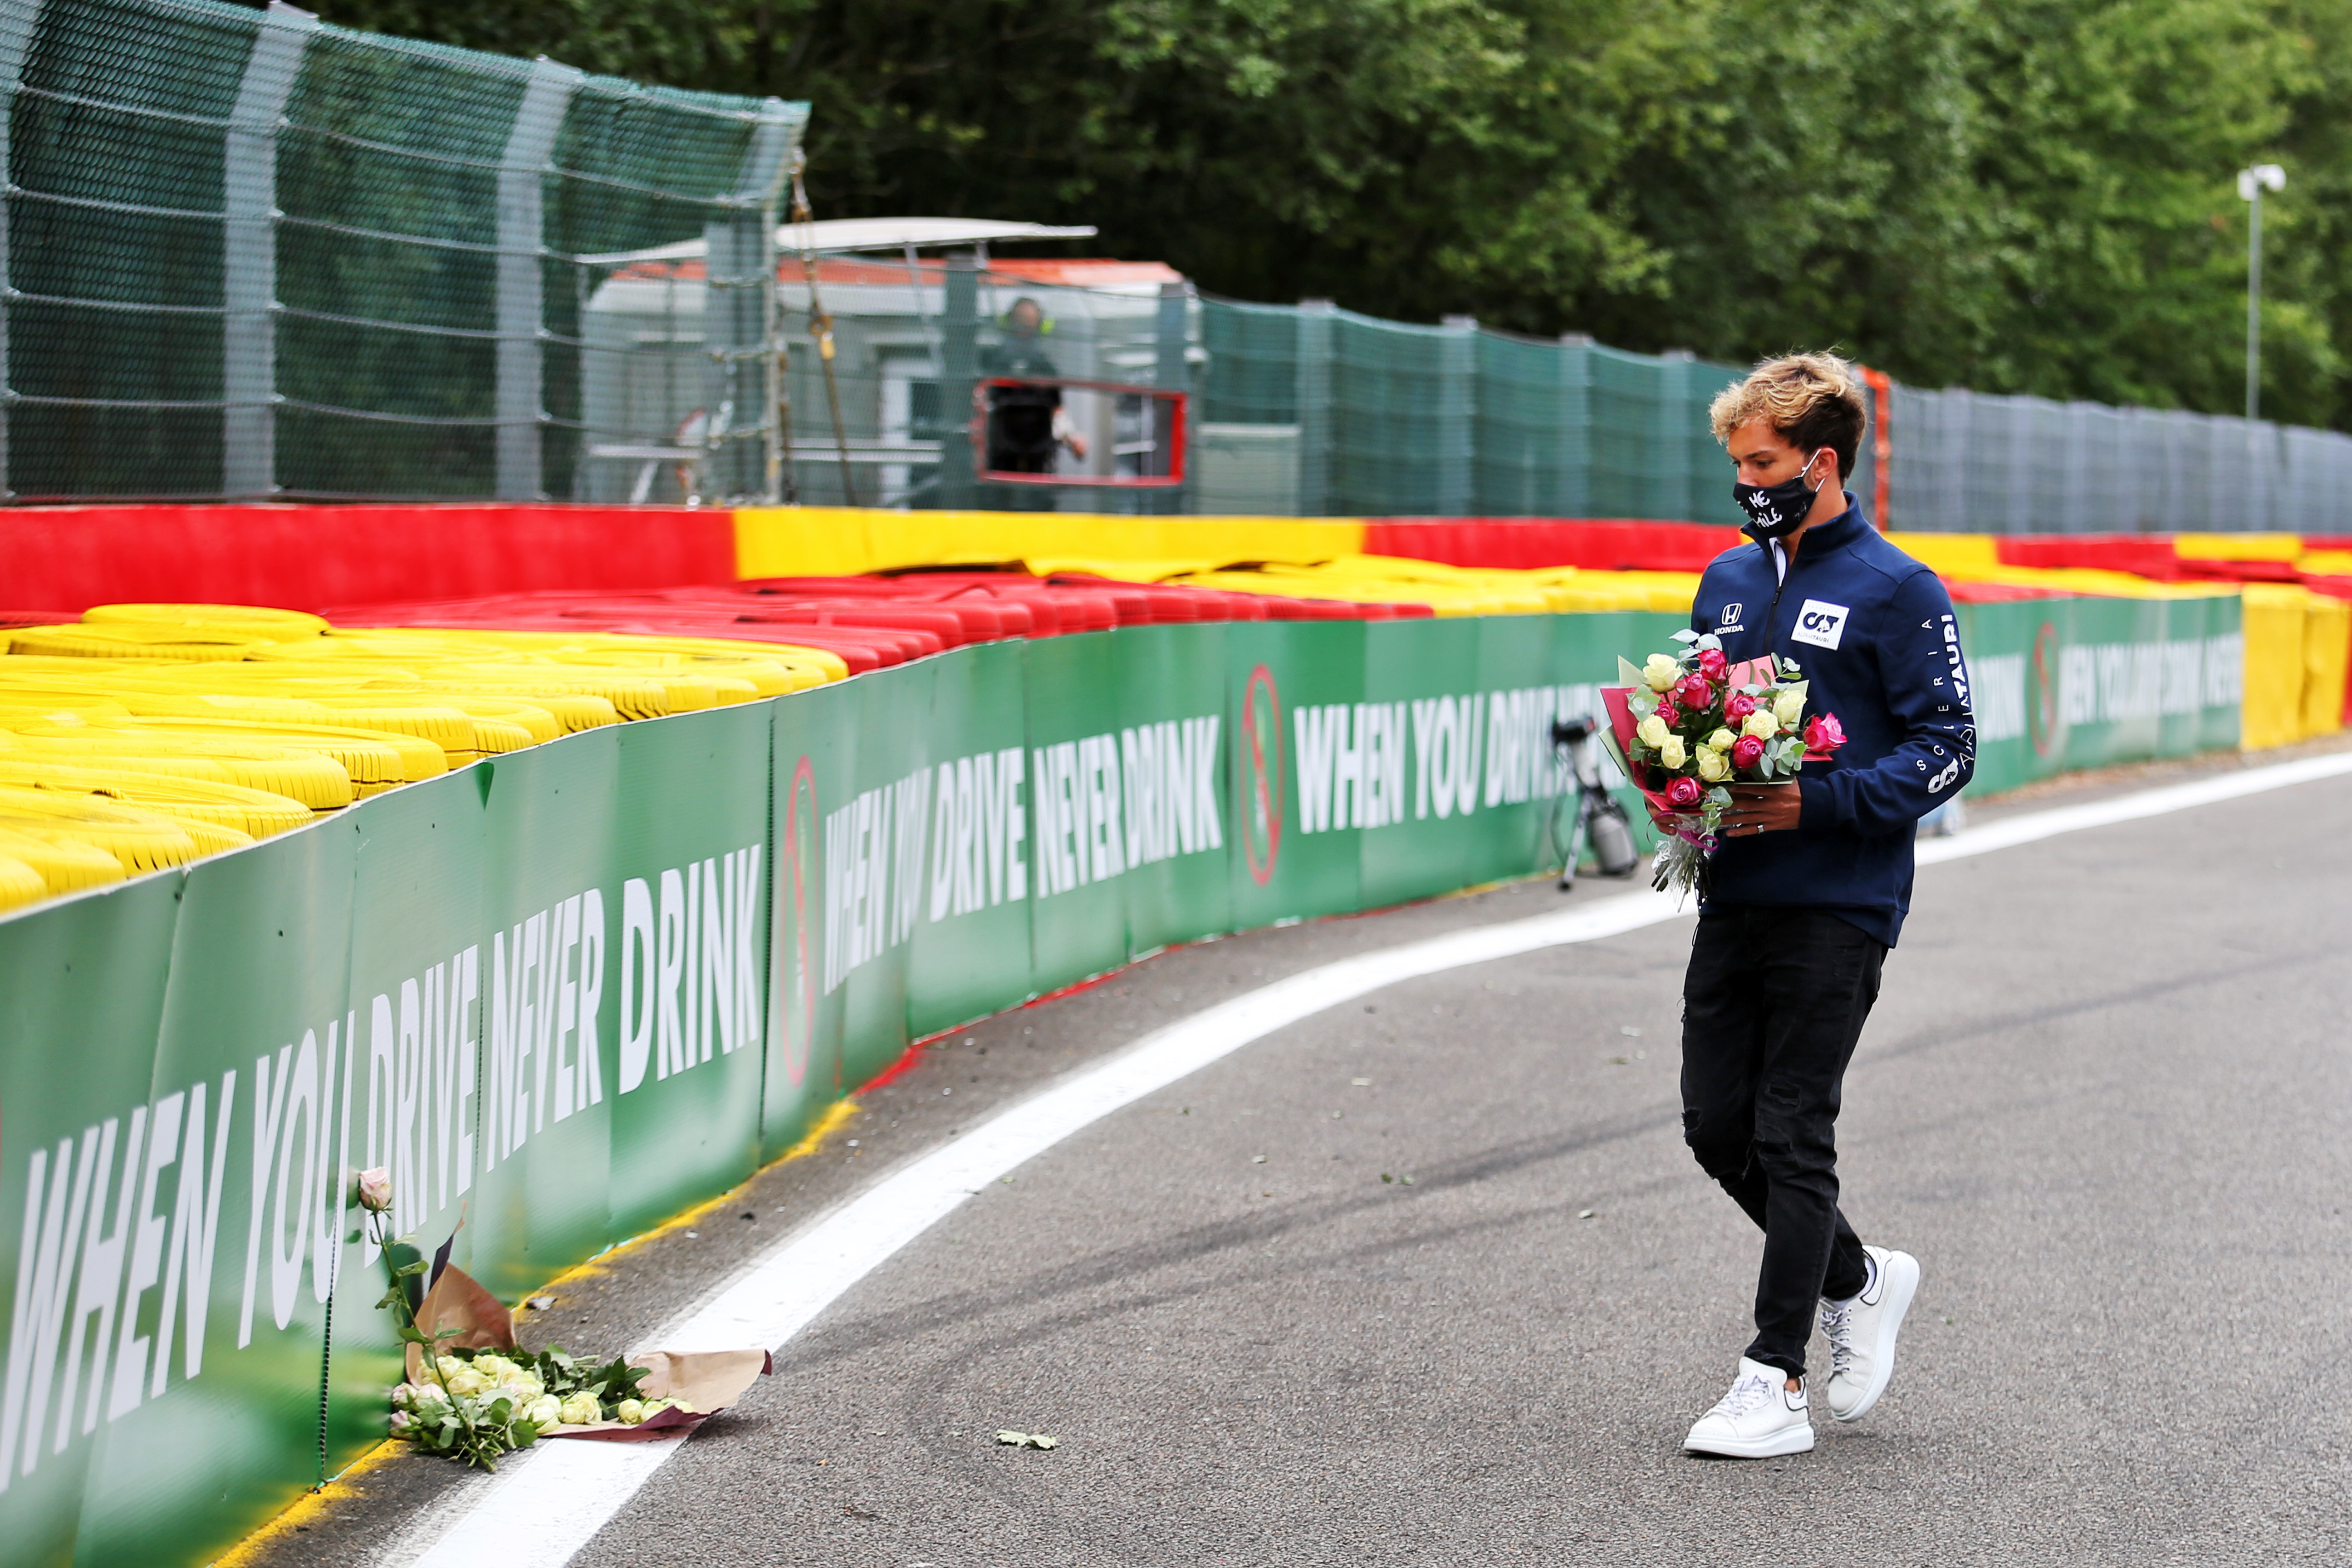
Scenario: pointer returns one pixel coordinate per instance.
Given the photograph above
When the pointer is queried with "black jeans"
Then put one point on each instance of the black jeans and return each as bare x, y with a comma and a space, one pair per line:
1773, 1005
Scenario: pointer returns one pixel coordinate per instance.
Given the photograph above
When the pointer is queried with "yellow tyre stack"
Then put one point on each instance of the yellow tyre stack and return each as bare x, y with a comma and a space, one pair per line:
139, 841
150, 734
20, 885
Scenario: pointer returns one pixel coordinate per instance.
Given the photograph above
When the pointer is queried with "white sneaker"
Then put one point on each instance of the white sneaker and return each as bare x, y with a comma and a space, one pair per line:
1861, 1332
1761, 1417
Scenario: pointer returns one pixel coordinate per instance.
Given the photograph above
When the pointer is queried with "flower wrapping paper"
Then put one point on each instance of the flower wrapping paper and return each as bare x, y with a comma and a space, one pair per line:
710, 1381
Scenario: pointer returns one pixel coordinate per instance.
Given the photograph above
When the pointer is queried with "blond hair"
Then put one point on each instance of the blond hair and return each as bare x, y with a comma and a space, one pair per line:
1810, 401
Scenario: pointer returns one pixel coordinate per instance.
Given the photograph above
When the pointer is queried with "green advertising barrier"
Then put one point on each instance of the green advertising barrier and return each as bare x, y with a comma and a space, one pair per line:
566, 993
2063, 684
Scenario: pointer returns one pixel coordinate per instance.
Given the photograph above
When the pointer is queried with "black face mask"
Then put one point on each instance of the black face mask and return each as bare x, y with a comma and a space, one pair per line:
1776, 512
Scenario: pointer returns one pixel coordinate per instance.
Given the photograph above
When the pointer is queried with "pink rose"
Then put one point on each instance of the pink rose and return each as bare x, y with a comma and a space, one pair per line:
1824, 733
1711, 664
375, 1190
1683, 793
1667, 713
1738, 705
1747, 752
1693, 691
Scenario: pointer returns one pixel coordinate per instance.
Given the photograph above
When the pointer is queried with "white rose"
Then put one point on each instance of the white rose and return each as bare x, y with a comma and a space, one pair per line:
1761, 724
1660, 671
1789, 706
466, 1381
629, 1412
1653, 731
1714, 767
580, 1409
543, 1412
1721, 741
1671, 754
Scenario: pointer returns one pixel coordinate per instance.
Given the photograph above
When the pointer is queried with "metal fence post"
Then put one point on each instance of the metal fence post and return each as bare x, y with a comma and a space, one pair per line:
1172, 369
1316, 432
1456, 417
522, 242
1573, 436
17, 24
1670, 490
250, 252
740, 319
959, 373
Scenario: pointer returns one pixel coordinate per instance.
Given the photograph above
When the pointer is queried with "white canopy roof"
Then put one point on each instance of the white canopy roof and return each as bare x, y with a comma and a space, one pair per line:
836, 236
924, 233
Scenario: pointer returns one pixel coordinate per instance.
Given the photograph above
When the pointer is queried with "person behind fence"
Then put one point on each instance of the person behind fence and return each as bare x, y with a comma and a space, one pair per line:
1809, 889
1025, 423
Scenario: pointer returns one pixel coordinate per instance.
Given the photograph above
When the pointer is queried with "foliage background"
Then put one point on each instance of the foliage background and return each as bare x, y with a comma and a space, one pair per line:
2014, 195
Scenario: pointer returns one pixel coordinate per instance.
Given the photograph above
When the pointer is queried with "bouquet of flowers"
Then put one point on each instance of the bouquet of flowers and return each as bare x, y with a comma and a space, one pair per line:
1687, 726
475, 1404
470, 1394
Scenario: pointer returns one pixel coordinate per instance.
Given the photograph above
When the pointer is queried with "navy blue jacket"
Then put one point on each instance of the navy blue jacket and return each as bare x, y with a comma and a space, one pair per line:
1872, 630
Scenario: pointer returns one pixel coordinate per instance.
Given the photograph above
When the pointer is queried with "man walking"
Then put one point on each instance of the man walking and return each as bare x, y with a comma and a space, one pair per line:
1809, 887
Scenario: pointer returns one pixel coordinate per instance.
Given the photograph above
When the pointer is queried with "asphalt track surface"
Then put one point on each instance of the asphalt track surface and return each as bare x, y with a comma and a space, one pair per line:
1430, 1278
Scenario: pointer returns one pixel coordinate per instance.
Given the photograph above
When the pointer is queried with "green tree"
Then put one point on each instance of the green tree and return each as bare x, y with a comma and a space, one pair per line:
2018, 196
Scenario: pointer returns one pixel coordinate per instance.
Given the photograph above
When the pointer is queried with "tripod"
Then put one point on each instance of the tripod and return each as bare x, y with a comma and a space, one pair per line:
1600, 822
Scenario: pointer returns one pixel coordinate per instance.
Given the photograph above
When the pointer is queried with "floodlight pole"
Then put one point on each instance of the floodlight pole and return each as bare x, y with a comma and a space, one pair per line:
2251, 183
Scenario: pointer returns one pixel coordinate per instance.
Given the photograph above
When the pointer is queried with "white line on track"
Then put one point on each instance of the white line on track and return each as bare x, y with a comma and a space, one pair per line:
544, 1505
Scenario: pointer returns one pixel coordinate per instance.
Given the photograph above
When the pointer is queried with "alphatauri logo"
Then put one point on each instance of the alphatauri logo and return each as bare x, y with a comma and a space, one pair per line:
1820, 622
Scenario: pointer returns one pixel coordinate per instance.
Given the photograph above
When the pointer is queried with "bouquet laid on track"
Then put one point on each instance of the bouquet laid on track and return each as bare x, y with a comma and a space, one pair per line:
471, 1395
1687, 727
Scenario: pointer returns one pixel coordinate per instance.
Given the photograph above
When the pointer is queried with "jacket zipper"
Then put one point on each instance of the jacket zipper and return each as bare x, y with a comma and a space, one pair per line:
1772, 617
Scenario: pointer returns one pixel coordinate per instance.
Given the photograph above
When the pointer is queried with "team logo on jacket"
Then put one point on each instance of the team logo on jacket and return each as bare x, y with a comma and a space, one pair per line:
1729, 620
1820, 622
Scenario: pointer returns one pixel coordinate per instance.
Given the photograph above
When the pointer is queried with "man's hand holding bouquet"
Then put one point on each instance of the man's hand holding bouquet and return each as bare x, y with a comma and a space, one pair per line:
1688, 727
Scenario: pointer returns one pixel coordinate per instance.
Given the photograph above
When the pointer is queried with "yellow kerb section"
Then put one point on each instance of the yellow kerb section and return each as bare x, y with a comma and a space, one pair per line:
825, 541
2237, 546
1950, 555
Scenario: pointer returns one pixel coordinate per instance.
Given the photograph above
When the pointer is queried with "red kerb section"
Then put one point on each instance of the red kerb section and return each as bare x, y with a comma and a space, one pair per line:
300, 557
